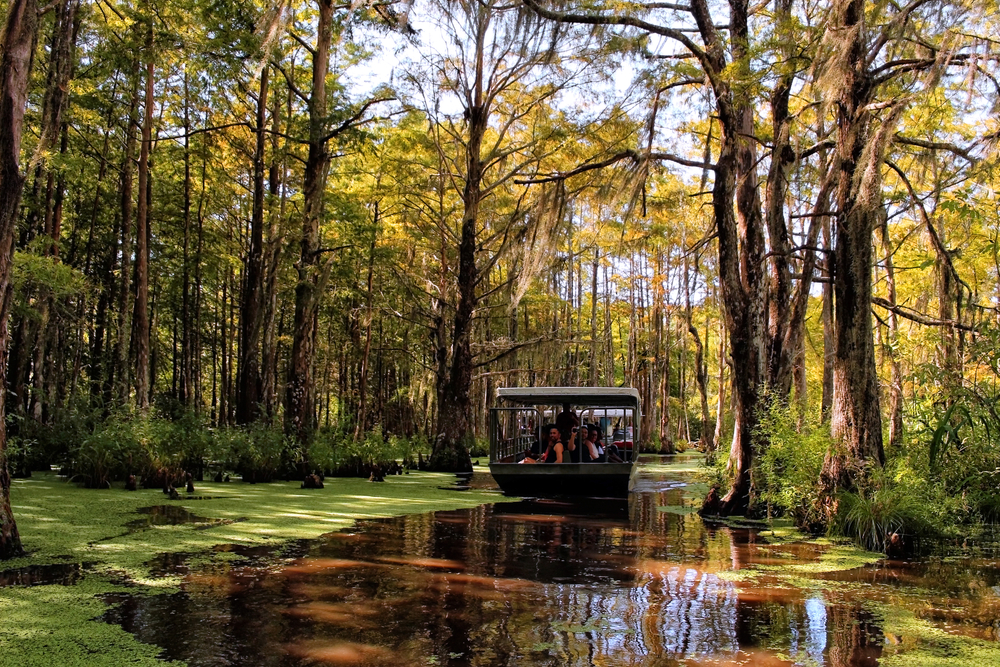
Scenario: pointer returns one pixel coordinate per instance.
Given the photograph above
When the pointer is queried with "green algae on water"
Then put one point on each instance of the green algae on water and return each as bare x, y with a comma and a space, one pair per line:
60, 625
915, 642
59, 520
62, 523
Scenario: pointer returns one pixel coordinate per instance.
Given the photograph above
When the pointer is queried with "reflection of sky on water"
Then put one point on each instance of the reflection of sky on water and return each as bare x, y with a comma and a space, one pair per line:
815, 641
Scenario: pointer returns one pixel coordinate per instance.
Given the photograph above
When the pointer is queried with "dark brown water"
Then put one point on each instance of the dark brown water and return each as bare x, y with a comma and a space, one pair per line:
550, 583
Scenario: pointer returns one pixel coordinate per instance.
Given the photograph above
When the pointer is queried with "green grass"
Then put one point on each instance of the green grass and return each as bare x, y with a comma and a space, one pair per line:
62, 523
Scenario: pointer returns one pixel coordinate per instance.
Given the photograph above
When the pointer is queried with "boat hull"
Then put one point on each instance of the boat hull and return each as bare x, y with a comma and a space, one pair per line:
603, 480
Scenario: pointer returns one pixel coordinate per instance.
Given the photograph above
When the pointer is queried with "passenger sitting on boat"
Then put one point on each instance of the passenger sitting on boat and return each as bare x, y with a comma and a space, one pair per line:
611, 453
592, 450
553, 446
567, 422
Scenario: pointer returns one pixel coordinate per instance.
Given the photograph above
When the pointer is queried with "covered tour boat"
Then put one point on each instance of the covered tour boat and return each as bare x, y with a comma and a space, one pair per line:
516, 429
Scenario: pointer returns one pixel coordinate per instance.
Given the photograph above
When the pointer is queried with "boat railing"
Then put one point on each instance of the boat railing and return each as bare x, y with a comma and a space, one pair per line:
511, 433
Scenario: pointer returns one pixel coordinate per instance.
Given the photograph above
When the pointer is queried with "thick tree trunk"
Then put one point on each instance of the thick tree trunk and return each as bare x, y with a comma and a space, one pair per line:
451, 449
856, 419
780, 357
18, 44
741, 253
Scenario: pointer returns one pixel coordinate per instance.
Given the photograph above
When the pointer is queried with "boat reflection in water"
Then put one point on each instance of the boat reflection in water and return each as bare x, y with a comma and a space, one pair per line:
539, 582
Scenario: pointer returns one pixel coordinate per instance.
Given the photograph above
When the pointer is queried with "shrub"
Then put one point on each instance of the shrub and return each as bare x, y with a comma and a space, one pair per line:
337, 452
182, 442
787, 465
880, 512
480, 447
257, 451
19, 454
117, 447
56, 442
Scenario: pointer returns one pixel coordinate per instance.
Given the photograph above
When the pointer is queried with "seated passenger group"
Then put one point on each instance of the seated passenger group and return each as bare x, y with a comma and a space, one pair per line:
553, 450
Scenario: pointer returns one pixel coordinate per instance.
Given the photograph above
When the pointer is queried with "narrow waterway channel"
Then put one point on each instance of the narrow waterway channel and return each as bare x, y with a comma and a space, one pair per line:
542, 582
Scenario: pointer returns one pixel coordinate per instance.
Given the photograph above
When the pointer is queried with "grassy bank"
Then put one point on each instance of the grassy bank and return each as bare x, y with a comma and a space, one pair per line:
105, 533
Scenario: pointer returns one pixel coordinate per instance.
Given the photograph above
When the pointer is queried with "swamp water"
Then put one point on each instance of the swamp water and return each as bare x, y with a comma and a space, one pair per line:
542, 582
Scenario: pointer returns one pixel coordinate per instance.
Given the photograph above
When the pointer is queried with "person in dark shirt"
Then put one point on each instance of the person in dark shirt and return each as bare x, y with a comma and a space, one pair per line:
550, 450
553, 447
568, 422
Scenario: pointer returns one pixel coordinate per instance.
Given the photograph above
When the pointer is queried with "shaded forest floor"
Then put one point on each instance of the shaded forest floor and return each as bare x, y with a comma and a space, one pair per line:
84, 544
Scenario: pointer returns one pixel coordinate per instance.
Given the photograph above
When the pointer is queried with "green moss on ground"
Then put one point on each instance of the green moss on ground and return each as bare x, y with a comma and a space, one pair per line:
62, 523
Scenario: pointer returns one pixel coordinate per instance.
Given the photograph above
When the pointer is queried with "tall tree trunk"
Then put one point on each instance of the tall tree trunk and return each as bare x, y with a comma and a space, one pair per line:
741, 251
361, 426
826, 404
299, 410
251, 306
780, 356
593, 318
701, 370
185, 393
895, 371
121, 369
720, 407
18, 44
451, 449
269, 356
142, 328
61, 58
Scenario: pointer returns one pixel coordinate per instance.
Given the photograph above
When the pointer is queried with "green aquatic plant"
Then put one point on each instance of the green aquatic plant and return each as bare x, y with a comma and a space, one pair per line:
60, 625
880, 513
912, 641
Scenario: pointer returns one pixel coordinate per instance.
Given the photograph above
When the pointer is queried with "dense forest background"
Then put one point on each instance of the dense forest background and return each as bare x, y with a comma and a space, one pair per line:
295, 235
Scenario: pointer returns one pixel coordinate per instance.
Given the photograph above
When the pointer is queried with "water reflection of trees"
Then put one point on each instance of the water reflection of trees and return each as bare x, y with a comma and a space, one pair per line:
537, 583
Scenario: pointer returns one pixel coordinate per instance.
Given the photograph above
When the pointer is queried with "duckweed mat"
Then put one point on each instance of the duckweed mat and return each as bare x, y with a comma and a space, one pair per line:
83, 544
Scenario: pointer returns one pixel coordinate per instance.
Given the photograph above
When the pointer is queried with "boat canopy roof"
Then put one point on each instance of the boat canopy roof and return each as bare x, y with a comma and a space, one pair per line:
625, 397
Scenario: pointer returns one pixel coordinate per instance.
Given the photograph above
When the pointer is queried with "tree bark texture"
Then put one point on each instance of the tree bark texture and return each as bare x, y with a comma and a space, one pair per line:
248, 383
742, 279
856, 419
